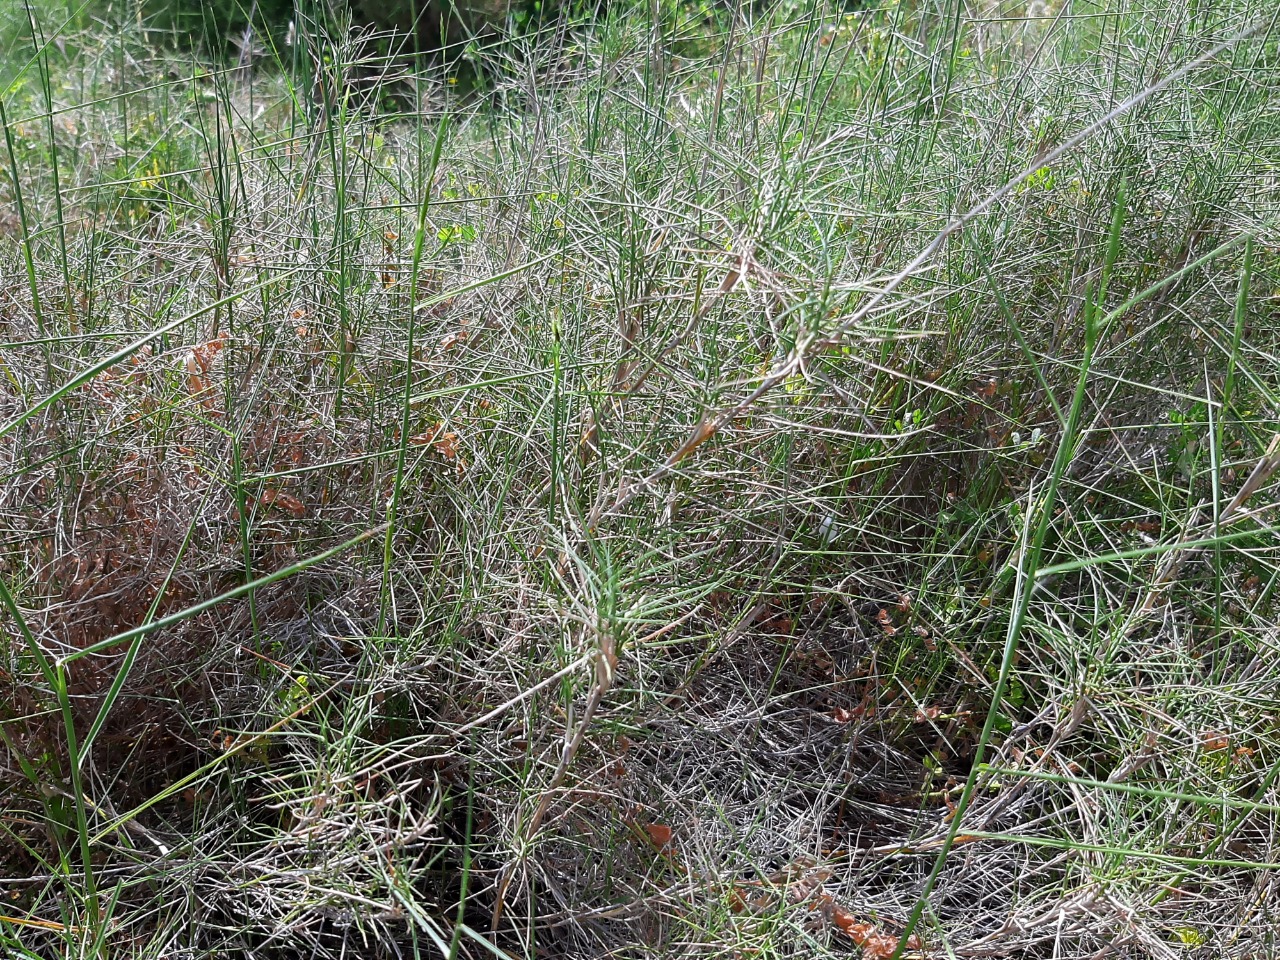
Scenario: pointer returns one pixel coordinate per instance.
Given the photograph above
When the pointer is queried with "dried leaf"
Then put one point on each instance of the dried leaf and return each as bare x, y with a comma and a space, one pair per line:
447, 445
290, 504
197, 362
874, 944
806, 884
206, 353
659, 834
445, 441
752, 897
453, 339
781, 625
1214, 742
701, 433
440, 309
923, 633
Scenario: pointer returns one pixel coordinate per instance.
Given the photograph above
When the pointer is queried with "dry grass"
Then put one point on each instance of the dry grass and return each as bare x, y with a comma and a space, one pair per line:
618, 509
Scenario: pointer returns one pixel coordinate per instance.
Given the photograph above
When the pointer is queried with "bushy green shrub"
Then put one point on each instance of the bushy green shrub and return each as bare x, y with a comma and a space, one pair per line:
221, 25
437, 23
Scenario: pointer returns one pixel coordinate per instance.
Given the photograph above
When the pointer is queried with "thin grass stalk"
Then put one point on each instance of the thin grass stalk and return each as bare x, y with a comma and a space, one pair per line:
28, 258
46, 86
406, 402
55, 677
124, 353
713, 423
1042, 516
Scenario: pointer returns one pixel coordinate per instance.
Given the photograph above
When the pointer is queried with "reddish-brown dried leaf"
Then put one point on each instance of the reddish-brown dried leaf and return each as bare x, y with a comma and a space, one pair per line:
197, 363
1213, 741
287, 502
447, 445
752, 897
701, 433
874, 944
659, 834
781, 625
439, 309
445, 441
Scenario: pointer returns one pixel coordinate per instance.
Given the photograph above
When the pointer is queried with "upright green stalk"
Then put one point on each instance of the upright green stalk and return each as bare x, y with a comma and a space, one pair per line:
406, 401
1026, 580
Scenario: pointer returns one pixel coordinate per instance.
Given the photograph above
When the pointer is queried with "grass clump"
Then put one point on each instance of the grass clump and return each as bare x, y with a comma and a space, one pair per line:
791, 483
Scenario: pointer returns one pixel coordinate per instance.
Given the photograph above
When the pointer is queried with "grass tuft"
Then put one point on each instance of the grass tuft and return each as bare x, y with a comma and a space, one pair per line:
701, 480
